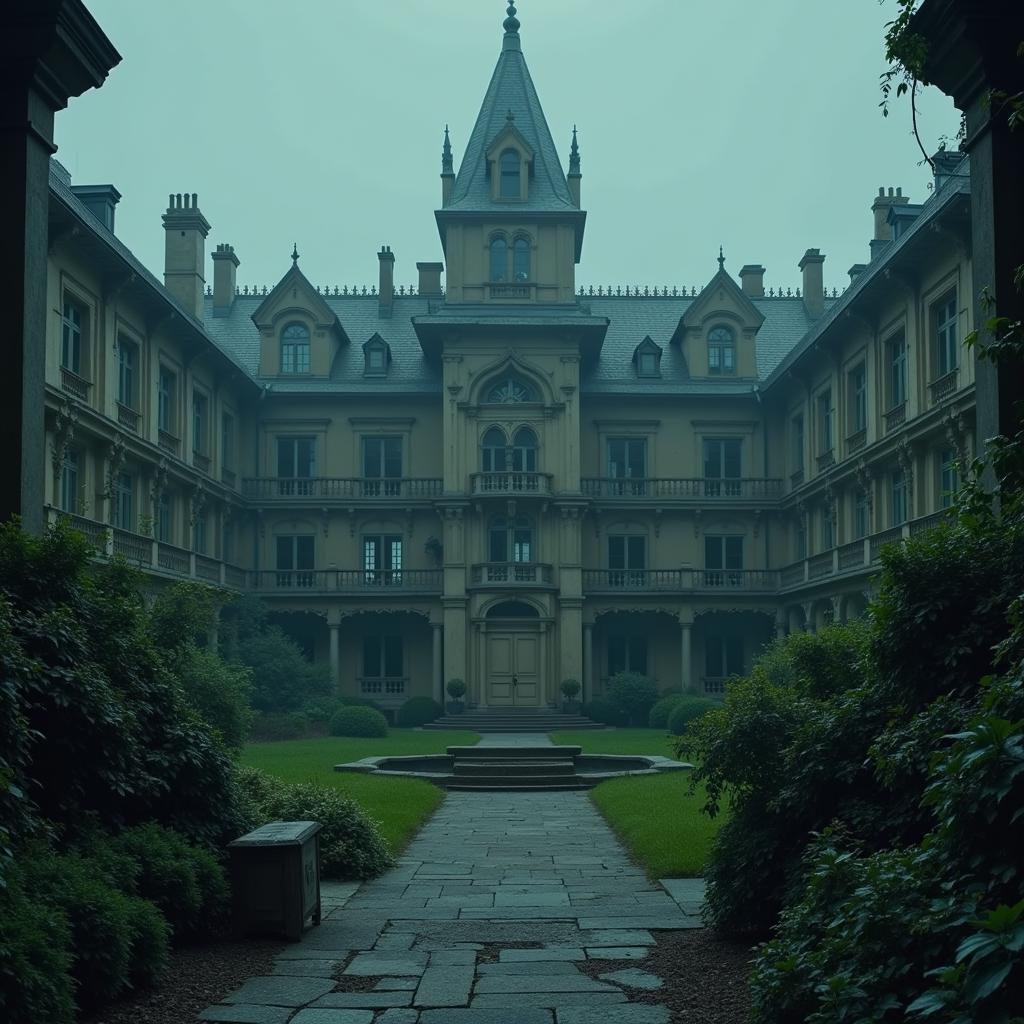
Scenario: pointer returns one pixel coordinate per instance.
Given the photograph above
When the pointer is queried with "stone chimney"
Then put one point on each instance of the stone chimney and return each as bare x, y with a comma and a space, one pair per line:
100, 201
430, 279
225, 263
185, 252
752, 280
813, 288
856, 270
386, 289
880, 208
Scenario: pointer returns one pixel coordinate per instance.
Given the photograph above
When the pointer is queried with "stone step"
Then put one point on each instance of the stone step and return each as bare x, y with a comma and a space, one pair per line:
504, 785
514, 753
509, 767
517, 725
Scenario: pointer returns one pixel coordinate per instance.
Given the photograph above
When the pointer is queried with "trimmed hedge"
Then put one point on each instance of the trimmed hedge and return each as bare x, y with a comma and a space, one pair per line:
658, 718
358, 721
418, 711
633, 695
600, 710
687, 710
278, 725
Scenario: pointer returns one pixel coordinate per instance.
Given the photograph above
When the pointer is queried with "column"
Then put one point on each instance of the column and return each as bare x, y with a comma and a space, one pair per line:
481, 672
437, 630
686, 677
545, 683
588, 662
335, 628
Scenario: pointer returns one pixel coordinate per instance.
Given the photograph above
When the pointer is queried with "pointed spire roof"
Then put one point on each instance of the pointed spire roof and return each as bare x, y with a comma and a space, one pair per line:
511, 91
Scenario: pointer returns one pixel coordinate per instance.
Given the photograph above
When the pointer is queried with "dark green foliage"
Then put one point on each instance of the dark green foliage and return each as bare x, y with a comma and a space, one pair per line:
357, 721
600, 710
633, 695
661, 709
279, 725
456, 689
570, 688
282, 678
219, 692
351, 845
686, 710
320, 710
150, 941
418, 711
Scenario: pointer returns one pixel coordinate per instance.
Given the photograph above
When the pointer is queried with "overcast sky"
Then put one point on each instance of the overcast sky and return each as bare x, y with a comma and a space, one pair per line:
745, 123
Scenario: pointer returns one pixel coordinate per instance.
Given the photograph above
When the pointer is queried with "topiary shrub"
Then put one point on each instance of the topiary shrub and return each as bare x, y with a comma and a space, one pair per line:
418, 711
351, 845
660, 711
634, 695
601, 710
358, 721
456, 689
268, 726
687, 710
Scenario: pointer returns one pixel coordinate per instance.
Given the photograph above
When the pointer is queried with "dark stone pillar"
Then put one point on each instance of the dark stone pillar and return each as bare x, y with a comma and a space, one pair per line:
972, 50
50, 50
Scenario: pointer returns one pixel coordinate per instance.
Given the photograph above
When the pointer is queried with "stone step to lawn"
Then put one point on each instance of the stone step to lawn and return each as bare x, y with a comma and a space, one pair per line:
514, 753
525, 721
492, 784
511, 767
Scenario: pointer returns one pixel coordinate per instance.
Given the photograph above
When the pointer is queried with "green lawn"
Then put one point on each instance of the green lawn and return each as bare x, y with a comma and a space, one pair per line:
400, 805
660, 822
618, 741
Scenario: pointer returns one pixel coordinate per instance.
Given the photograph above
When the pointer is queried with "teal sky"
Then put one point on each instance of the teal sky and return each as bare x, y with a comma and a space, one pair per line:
747, 124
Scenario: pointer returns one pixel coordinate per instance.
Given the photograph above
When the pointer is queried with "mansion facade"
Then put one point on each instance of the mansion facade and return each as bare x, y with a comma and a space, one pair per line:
511, 479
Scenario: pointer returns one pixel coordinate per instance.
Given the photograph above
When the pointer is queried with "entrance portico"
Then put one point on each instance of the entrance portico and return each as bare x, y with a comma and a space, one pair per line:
512, 656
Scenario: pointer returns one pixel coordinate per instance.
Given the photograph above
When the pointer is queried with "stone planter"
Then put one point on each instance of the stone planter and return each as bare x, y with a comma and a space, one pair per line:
455, 707
571, 707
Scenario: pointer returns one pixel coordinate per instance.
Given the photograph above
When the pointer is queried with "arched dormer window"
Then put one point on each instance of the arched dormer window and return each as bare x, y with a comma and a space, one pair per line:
521, 259
524, 451
510, 390
295, 349
493, 451
509, 166
376, 357
499, 259
721, 351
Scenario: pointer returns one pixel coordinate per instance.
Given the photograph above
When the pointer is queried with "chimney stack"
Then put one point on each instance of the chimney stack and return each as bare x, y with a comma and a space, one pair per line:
185, 251
880, 208
225, 262
100, 201
752, 280
945, 162
813, 289
430, 279
386, 289
856, 270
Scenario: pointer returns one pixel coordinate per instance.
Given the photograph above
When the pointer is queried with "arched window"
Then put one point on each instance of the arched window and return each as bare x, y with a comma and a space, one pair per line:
521, 260
524, 451
721, 351
510, 170
510, 390
499, 259
510, 540
295, 349
493, 450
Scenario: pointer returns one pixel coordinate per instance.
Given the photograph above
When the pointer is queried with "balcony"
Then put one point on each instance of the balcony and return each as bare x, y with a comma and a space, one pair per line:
660, 581
388, 691
128, 417
943, 386
856, 441
796, 478
714, 686
378, 583
512, 484
168, 442
77, 387
201, 461
511, 574
851, 556
826, 458
895, 417
683, 488
820, 565
228, 478
341, 488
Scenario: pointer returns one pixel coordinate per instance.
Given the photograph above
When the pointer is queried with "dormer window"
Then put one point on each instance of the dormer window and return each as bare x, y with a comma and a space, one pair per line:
647, 359
377, 356
510, 390
521, 260
510, 169
295, 349
721, 351
499, 259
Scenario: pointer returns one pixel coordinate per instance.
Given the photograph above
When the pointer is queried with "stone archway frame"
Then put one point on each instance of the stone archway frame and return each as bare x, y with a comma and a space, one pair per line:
480, 625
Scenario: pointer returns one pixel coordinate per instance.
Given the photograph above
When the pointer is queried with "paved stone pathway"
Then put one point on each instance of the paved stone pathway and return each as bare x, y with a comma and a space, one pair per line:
484, 921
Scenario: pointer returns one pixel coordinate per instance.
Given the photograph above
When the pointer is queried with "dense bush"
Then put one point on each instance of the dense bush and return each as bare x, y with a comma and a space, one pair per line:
358, 721
219, 692
657, 718
602, 710
351, 845
283, 679
418, 711
279, 725
633, 695
687, 710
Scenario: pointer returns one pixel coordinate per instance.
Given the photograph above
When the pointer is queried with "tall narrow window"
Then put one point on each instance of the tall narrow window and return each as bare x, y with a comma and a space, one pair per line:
499, 260
510, 540
69, 483
897, 498
723, 655
627, 654
825, 440
493, 451
382, 664
627, 560
723, 561
382, 466
800, 539
722, 467
946, 344
227, 541
199, 533
296, 465
124, 501
382, 560
828, 533
721, 351
524, 451
858, 399
165, 519
127, 373
521, 260
72, 350
167, 419
861, 516
295, 349
896, 361
798, 443
949, 478
510, 164
200, 412
627, 465
295, 561
227, 441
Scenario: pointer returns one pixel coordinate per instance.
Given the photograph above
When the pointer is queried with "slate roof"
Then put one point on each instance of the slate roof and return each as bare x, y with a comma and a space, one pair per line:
511, 88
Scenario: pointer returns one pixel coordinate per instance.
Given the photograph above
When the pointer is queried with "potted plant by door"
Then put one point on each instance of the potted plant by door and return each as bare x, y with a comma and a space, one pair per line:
570, 691
456, 690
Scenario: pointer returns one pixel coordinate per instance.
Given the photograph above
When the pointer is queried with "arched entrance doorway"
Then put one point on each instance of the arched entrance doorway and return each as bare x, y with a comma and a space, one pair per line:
513, 669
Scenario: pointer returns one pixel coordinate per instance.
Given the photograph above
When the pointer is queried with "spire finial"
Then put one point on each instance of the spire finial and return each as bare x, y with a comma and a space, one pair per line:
295, 253
574, 154
447, 166
511, 23
721, 259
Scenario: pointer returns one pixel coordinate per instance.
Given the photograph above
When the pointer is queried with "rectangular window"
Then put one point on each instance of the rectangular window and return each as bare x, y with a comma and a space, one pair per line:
944, 317
165, 519
723, 655
200, 408
382, 657
227, 541
828, 539
69, 481
167, 395
858, 385
627, 654
897, 498
127, 373
896, 361
861, 516
227, 441
722, 467
295, 561
723, 561
825, 440
72, 348
124, 501
382, 466
627, 461
800, 540
798, 443
382, 560
296, 465
949, 477
199, 533
627, 560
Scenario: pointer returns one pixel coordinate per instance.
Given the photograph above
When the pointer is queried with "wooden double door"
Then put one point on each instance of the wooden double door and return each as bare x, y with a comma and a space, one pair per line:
514, 668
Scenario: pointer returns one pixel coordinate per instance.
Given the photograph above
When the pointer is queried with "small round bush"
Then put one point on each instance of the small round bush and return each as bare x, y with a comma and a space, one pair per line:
600, 710
456, 689
279, 725
688, 710
570, 688
321, 710
658, 718
358, 721
634, 695
418, 711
